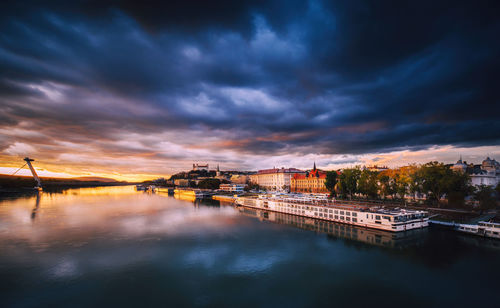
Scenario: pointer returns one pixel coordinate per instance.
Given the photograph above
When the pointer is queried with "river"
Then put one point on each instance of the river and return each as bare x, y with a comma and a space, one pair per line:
114, 246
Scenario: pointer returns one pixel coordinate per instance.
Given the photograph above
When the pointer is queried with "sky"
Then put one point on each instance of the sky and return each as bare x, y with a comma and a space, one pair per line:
131, 91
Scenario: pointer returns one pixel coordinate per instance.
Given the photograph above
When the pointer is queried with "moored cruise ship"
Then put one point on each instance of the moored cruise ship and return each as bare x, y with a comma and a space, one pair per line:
394, 220
397, 240
482, 228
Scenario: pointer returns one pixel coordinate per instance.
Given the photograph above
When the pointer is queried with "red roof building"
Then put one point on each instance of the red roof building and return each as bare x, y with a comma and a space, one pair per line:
311, 182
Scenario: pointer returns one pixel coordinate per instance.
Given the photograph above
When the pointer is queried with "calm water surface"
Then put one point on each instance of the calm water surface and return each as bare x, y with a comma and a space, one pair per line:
114, 246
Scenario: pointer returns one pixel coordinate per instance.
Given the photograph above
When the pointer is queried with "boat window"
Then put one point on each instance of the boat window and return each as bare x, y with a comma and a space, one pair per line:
377, 217
348, 218
354, 219
348, 213
341, 212
342, 217
336, 212
354, 214
336, 216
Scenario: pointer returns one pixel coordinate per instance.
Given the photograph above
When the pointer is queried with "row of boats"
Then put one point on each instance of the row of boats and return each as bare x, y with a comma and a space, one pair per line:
358, 214
186, 192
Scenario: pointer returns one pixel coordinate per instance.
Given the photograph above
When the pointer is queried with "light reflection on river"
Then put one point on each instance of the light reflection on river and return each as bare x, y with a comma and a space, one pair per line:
114, 246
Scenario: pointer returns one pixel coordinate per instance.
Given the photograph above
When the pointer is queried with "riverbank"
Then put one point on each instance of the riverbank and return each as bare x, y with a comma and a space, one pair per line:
23, 185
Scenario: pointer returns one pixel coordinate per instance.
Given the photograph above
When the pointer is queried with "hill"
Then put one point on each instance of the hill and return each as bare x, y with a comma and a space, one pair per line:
9, 182
94, 179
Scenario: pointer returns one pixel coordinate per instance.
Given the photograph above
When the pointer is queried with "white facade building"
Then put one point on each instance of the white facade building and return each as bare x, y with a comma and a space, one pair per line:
275, 179
489, 174
459, 166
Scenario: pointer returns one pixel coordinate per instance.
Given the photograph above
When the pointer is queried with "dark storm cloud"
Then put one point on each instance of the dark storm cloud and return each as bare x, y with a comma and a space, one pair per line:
262, 77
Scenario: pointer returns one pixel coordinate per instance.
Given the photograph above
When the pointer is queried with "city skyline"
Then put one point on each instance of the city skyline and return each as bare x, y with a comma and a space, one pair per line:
130, 92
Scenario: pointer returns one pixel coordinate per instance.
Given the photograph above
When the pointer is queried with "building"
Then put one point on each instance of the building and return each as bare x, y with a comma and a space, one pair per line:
181, 182
311, 182
239, 179
459, 166
238, 188
198, 167
377, 168
275, 179
487, 174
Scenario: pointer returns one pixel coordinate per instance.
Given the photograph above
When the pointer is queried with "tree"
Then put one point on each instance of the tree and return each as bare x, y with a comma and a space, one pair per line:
252, 186
485, 195
384, 185
209, 184
401, 184
458, 187
367, 184
394, 182
435, 180
348, 181
331, 182
415, 182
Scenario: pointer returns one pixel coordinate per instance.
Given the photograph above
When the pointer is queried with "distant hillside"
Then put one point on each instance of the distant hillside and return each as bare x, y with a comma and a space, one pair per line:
14, 182
94, 179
